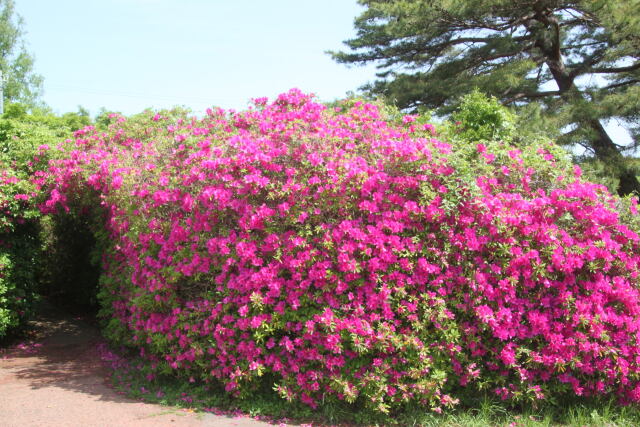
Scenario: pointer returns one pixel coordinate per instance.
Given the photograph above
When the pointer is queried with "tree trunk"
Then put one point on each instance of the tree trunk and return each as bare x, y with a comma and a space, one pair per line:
603, 146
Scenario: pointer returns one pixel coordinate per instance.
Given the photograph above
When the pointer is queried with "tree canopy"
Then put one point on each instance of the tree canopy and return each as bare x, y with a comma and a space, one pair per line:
576, 62
21, 84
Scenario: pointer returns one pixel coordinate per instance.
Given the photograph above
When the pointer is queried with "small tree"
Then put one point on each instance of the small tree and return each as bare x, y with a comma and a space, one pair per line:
21, 84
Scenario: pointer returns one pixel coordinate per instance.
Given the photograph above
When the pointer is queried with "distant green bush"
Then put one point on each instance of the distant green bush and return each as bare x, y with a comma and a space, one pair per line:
483, 118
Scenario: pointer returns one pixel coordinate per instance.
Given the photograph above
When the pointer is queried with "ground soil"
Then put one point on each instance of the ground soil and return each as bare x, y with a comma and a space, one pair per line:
56, 378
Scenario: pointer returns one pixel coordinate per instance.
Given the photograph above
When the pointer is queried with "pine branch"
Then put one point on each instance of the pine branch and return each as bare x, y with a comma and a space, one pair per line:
584, 67
621, 84
609, 70
533, 95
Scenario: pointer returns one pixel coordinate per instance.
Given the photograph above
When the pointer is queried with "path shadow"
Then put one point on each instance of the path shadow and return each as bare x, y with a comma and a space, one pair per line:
64, 354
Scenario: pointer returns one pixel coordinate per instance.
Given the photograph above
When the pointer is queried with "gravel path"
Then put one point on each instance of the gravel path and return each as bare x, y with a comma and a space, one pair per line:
58, 379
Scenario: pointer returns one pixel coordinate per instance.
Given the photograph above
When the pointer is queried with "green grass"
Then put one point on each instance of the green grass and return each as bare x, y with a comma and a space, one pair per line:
478, 411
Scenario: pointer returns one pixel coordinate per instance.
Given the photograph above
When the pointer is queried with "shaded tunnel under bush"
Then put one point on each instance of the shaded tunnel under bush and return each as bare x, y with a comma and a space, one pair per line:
70, 266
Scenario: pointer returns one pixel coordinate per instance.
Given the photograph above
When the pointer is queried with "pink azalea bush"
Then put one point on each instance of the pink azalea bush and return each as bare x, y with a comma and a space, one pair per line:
337, 255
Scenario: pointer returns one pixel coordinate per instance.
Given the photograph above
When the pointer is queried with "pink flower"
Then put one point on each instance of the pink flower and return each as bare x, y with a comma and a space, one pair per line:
242, 311
507, 355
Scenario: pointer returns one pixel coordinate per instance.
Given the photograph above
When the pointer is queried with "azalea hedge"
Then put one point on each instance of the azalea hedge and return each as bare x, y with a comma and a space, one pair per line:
335, 254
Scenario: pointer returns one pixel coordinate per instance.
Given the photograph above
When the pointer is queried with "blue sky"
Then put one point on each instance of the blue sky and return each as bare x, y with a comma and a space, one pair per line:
128, 55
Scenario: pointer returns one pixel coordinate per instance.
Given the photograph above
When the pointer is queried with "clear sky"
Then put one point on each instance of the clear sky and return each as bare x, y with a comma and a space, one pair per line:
128, 55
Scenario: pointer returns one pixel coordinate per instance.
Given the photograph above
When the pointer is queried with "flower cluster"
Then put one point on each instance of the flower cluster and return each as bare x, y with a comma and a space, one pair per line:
337, 255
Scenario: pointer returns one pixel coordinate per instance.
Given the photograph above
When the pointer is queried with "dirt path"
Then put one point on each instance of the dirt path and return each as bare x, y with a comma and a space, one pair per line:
58, 379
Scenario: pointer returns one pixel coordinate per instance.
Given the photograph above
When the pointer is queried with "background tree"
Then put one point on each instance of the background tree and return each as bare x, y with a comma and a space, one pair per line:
21, 84
575, 63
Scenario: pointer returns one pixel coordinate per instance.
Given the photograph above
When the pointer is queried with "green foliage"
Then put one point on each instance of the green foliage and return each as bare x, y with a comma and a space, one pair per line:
18, 275
432, 52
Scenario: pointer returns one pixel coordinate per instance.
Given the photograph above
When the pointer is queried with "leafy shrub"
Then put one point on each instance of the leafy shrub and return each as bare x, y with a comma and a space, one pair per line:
334, 256
24, 153
480, 117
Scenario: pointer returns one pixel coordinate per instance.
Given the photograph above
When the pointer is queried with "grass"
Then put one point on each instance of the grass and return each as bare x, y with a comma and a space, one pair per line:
132, 378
